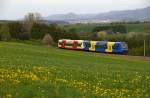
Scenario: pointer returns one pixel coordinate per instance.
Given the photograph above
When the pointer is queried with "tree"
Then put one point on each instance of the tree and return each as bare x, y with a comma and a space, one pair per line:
72, 30
93, 36
30, 19
102, 35
69, 35
38, 30
4, 33
15, 29
55, 31
113, 28
119, 28
102, 28
47, 40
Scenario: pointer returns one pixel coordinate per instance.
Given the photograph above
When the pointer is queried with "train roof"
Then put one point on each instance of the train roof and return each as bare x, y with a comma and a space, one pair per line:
91, 40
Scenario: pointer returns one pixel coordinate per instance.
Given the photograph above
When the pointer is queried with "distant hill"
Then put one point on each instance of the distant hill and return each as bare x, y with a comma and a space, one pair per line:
55, 22
126, 15
70, 16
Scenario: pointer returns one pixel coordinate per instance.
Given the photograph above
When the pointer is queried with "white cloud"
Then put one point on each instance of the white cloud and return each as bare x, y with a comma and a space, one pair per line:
18, 8
2, 3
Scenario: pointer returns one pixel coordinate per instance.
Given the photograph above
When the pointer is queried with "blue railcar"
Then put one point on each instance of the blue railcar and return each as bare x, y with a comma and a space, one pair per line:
120, 48
101, 46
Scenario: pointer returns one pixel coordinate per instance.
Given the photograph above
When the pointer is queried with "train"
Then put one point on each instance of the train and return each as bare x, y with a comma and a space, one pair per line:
94, 46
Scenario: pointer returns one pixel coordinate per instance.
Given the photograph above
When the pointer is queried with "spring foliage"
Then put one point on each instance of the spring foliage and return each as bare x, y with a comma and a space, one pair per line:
4, 33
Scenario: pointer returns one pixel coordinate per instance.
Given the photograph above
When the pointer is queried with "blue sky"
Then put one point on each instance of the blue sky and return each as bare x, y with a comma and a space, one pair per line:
15, 9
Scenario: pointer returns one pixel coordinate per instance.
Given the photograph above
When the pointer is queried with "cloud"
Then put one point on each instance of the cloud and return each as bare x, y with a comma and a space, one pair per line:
18, 8
2, 4
146, 2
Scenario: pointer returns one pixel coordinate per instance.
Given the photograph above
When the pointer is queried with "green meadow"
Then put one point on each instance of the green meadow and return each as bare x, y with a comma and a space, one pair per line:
35, 71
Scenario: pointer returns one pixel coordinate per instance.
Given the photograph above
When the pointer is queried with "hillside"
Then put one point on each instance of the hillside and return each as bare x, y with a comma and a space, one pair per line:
125, 15
131, 27
33, 71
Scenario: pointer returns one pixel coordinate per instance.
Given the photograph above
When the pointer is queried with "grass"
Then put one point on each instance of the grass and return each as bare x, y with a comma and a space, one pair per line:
84, 28
32, 71
141, 27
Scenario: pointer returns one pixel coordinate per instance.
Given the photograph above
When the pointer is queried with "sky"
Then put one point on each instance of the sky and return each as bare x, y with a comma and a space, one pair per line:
16, 9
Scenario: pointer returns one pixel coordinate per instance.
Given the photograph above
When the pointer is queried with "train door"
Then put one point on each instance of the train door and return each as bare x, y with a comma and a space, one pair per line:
86, 45
63, 44
75, 43
116, 48
93, 46
110, 47
80, 44
101, 46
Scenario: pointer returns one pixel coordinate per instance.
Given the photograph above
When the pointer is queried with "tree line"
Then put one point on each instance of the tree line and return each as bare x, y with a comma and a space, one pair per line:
33, 27
111, 28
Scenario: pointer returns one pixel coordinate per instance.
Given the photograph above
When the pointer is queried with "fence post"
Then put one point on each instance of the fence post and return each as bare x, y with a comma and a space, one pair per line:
144, 48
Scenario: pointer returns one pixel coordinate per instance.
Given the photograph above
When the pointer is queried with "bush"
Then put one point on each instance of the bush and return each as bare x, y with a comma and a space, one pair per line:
47, 40
38, 30
93, 36
113, 28
73, 36
4, 33
15, 29
24, 36
102, 35
119, 28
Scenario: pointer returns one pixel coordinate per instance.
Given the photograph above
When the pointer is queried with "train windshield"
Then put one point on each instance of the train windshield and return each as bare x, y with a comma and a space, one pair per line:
124, 45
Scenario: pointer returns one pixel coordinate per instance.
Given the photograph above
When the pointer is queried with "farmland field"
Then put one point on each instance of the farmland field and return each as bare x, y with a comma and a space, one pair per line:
131, 27
34, 71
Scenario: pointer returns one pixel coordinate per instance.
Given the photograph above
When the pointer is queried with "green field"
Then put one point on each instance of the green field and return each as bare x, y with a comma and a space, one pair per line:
34, 71
84, 28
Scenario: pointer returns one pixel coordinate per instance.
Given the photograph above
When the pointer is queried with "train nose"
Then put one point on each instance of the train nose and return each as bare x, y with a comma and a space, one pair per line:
125, 51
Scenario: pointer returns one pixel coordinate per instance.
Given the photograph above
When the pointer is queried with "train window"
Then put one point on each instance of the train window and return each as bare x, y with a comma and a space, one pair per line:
68, 44
124, 45
60, 43
98, 46
79, 45
101, 46
88, 44
115, 46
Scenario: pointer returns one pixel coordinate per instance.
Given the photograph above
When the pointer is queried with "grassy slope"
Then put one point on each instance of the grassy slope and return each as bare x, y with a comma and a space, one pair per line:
28, 71
141, 27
